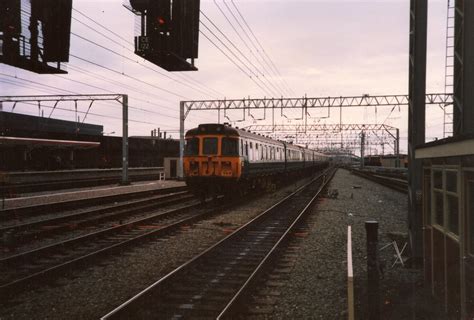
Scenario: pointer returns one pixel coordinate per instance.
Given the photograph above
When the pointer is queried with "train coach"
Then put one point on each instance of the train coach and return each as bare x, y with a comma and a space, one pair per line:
222, 159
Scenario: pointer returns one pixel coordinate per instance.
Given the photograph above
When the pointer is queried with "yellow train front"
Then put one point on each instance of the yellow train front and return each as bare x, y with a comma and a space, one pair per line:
212, 163
219, 159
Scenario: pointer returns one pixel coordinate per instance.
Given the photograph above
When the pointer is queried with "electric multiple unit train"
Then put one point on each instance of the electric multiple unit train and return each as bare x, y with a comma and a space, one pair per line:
219, 159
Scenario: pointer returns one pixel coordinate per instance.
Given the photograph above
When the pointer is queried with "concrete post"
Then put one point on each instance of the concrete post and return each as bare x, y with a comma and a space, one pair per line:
181, 140
373, 289
125, 180
416, 121
397, 149
362, 149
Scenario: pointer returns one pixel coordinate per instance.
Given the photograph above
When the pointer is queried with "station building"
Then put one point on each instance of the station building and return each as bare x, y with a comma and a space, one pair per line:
448, 221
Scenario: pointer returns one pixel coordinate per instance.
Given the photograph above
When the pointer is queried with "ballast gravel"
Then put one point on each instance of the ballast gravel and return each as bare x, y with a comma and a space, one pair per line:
316, 287
92, 292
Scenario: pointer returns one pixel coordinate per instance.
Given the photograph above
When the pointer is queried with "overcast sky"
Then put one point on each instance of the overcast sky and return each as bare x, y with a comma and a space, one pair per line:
320, 48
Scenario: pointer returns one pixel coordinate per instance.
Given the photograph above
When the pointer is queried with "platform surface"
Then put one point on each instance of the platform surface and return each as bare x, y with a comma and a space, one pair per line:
88, 192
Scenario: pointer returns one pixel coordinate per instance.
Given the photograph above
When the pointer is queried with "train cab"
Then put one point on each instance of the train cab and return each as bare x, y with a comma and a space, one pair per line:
211, 153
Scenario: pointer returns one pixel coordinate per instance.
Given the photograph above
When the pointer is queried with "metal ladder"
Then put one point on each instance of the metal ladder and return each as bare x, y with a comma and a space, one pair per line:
449, 69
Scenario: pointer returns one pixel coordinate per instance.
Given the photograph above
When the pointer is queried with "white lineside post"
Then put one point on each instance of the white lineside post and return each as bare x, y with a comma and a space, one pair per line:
350, 276
362, 149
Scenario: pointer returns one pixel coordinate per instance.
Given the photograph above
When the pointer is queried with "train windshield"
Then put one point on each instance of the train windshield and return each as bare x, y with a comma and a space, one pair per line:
230, 147
192, 147
209, 146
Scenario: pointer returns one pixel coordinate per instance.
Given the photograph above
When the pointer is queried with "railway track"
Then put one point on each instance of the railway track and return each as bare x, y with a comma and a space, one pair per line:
24, 182
390, 182
215, 283
13, 215
20, 271
40, 228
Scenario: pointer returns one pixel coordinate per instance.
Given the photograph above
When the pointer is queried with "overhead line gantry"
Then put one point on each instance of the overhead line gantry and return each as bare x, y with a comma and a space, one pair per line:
303, 103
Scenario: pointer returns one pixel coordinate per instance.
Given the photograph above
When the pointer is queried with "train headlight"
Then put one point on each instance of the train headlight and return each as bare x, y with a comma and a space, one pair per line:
227, 173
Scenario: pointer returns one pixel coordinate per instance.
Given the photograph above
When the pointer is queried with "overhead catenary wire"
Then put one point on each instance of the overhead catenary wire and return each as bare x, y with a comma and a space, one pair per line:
110, 91
136, 62
125, 57
130, 43
231, 60
90, 85
238, 50
101, 89
93, 75
269, 90
30, 86
282, 89
191, 86
115, 71
270, 61
73, 93
110, 50
38, 83
88, 113
122, 85
84, 112
129, 76
239, 36
259, 72
85, 84
66, 91
100, 25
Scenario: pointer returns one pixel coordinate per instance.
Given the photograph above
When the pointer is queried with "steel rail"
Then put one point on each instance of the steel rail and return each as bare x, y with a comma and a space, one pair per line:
121, 312
22, 212
85, 218
230, 307
39, 253
392, 183
69, 184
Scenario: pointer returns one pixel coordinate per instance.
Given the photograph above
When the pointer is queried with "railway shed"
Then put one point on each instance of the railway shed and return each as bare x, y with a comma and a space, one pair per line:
448, 221
41, 143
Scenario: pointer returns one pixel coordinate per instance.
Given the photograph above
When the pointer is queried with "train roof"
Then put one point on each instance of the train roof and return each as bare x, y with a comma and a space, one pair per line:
216, 128
213, 128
